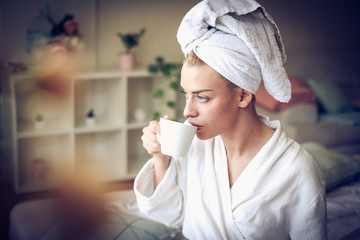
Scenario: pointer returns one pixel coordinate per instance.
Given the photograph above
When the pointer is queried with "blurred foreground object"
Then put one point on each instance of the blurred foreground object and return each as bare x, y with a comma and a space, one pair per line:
57, 68
82, 205
65, 32
15, 67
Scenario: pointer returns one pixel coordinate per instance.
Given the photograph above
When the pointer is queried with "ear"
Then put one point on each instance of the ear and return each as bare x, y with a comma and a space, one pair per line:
245, 98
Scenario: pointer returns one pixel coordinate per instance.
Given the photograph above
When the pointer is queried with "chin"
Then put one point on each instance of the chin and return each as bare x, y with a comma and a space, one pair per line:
203, 136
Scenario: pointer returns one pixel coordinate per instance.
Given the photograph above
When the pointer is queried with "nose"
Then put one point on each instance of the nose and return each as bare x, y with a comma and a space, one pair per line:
190, 109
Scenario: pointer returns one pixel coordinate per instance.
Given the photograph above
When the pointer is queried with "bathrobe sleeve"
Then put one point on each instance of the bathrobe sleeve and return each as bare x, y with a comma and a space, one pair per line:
165, 204
308, 219
310, 223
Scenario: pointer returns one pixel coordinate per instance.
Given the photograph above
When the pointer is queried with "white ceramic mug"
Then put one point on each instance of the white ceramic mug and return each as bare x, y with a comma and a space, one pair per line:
175, 137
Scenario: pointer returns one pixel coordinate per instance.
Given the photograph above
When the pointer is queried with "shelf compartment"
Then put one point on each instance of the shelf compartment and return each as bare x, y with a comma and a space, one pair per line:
27, 129
137, 155
97, 128
41, 161
112, 145
104, 96
32, 101
101, 151
140, 92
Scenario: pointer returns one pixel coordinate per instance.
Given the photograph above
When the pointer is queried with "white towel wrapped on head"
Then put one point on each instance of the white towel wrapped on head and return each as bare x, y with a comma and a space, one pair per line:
241, 41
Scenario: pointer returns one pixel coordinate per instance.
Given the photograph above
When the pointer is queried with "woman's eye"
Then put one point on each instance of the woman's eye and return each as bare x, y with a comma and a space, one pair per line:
199, 97
183, 92
203, 99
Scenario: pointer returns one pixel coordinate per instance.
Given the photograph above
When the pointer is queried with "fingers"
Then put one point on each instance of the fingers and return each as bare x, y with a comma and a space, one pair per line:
149, 138
154, 127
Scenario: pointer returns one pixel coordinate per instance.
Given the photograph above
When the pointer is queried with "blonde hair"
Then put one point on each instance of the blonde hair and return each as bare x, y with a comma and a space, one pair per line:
194, 61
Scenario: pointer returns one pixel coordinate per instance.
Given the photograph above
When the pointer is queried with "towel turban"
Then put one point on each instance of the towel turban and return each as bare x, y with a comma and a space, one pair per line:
241, 41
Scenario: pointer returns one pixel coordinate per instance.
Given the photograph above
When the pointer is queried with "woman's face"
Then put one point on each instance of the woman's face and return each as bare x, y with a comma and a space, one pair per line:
211, 105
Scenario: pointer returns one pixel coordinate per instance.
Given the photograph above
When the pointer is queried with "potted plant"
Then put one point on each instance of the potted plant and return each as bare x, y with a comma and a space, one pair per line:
39, 121
171, 74
140, 115
90, 118
127, 59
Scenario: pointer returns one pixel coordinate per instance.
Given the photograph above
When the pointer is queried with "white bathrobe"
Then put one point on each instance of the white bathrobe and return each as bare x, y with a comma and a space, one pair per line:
279, 195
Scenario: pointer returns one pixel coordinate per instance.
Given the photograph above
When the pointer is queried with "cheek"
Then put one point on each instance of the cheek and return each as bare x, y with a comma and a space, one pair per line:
220, 114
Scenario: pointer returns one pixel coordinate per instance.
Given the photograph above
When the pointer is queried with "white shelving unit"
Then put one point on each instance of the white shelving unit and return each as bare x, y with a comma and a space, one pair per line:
113, 144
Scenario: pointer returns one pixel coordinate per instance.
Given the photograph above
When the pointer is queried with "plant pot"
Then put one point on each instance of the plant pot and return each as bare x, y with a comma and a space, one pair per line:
126, 61
90, 121
39, 170
140, 115
39, 124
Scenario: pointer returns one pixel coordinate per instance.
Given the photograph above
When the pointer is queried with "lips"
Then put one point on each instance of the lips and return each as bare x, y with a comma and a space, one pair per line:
196, 125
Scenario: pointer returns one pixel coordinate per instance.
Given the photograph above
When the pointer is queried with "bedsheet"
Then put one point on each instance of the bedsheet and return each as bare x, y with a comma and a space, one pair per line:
346, 119
343, 208
343, 205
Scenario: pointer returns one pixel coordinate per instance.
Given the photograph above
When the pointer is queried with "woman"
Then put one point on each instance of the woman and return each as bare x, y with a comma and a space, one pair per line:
242, 178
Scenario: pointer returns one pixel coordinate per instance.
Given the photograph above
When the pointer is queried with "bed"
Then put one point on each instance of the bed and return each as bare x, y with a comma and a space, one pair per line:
343, 190
343, 205
126, 222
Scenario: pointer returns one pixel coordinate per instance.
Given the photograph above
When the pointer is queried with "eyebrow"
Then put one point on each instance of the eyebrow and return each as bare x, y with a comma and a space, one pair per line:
199, 91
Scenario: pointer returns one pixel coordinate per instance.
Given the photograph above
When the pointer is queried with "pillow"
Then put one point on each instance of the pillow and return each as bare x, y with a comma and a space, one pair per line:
121, 226
338, 168
356, 103
346, 119
330, 96
300, 93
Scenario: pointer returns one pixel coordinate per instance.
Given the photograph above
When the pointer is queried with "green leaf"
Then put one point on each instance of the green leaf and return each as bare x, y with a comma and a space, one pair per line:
156, 116
153, 68
172, 66
171, 104
165, 69
158, 93
90, 113
130, 40
174, 85
178, 72
159, 60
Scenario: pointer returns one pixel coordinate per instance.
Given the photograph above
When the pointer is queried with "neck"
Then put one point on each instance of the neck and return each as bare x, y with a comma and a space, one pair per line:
247, 137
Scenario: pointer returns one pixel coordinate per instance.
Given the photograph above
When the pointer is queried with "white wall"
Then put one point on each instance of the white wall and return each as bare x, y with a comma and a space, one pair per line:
160, 18
17, 19
321, 38
316, 24
100, 21
307, 27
